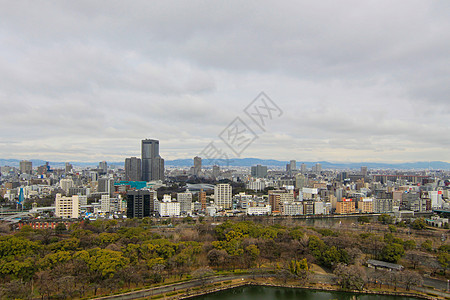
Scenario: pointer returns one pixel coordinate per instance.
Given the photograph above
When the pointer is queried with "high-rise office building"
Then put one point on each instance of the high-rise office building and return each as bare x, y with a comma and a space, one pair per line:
103, 167
293, 164
259, 171
303, 168
185, 200
106, 185
317, 168
133, 169
140, 204
152, 163
26, 167
223, 195
197, 165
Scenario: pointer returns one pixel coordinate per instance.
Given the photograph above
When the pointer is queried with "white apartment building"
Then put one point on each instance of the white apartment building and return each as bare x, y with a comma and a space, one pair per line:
105, 202
67, 207
168, 208
292, 208
223, 196
259, 210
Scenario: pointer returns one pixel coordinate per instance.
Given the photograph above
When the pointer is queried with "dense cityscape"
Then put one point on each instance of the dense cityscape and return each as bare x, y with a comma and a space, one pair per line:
143, 188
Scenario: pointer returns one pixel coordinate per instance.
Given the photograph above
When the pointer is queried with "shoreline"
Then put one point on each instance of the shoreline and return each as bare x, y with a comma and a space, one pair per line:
181, 291
328, 288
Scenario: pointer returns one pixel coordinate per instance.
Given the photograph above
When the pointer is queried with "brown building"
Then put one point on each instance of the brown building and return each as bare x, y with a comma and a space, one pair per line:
278, 197
202, 199
345, 206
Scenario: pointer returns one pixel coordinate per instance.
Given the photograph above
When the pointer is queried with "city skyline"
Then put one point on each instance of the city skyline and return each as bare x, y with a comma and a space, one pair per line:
355, 81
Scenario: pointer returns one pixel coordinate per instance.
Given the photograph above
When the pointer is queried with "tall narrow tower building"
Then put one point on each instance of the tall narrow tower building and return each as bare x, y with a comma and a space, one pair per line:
152, 163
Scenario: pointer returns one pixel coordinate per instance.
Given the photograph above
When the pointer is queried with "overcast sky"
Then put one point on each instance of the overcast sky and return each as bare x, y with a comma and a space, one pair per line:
355, 80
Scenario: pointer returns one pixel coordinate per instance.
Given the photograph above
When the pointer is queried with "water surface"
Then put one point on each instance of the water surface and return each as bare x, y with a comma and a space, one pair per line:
269, 293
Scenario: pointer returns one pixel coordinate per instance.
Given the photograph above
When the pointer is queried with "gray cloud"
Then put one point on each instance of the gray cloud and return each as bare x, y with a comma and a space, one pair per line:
88, 80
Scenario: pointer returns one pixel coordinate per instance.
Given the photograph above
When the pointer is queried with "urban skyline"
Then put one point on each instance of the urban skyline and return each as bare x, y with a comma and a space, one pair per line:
355, 81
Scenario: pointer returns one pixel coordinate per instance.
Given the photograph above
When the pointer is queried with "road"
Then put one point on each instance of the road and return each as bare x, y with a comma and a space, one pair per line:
178, 286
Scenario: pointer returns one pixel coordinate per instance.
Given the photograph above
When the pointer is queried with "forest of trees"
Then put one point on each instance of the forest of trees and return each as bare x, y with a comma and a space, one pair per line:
106, 256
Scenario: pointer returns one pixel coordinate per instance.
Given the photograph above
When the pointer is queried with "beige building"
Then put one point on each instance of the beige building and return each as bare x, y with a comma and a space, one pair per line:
67, 207
365, 205
345, 206
223, 196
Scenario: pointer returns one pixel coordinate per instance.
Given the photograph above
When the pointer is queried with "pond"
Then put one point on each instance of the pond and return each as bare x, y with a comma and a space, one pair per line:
268, 293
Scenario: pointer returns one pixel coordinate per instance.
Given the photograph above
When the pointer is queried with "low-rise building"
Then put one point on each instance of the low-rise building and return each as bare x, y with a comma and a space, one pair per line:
345, 206
365, 205
258, 210
292, 208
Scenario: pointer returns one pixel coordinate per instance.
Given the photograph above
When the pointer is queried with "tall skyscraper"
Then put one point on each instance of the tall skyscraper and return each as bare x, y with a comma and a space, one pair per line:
152, 163
26, 167
293, 164
197, 165
133, 169
223, 195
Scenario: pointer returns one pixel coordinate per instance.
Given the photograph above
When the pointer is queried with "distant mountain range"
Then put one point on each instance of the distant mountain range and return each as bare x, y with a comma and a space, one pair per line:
247, 162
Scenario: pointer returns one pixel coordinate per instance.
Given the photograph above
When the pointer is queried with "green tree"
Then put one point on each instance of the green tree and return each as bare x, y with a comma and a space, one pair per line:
392, 228
296, 266
332, 256
105, 262
23, 270
409, 244
60, 228
53, 259
15, 246
444, 260
419, 224
251, 255
392, 252
385, 219
427, 245
316, 246
363, 219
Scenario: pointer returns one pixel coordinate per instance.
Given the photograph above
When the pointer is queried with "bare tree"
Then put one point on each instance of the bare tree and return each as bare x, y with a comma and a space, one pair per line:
415, 258
410, 278
350, 277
